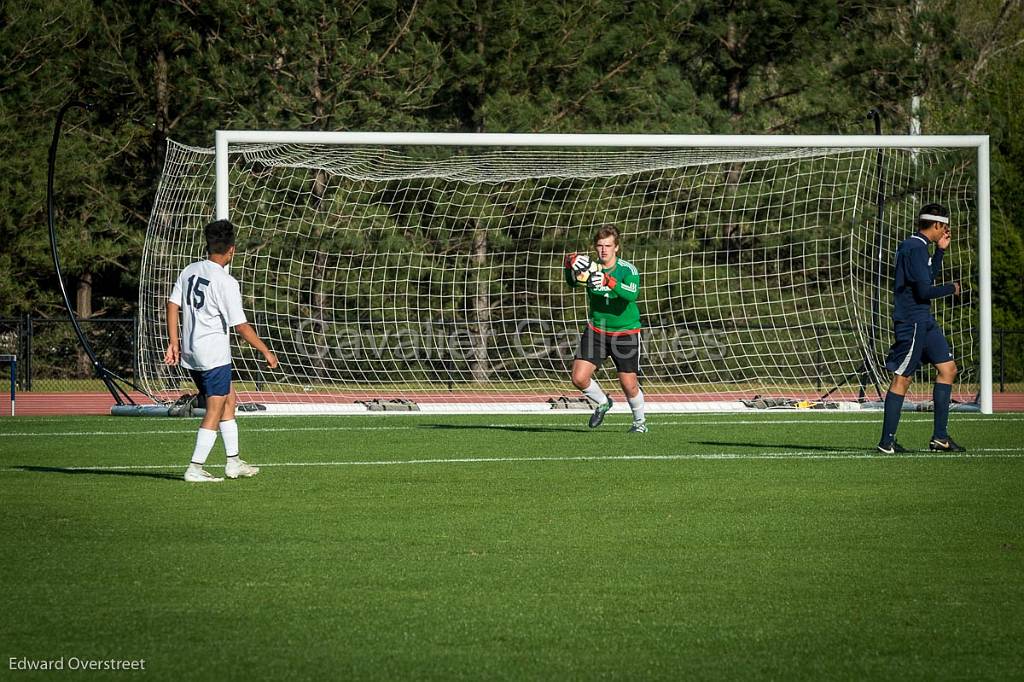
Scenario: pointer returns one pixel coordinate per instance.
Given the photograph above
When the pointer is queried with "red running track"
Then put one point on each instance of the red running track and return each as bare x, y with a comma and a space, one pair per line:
50, 404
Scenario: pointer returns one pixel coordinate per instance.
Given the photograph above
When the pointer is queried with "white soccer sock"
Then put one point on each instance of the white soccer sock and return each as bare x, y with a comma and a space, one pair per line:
229, 432
204, 443
594, 392
637, 405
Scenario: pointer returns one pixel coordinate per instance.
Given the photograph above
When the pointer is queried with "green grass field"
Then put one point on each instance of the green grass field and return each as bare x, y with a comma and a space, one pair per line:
716, 546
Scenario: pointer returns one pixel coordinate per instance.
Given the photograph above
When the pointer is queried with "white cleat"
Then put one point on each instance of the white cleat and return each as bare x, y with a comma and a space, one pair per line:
237, 468
638, 427
197, 474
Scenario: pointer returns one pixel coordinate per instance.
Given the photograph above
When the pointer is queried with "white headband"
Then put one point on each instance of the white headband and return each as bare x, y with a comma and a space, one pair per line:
934, 218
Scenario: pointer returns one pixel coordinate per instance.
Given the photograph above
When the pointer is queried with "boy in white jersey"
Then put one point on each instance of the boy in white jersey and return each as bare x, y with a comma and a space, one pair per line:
212, 302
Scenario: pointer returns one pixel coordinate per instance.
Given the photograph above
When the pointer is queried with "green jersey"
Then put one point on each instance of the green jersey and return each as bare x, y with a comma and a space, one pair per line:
613, 309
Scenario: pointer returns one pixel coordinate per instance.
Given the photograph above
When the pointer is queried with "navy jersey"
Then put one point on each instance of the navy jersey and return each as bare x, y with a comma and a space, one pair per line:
913, 287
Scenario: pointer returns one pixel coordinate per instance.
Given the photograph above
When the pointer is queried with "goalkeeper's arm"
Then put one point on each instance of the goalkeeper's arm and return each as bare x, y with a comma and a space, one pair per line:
628, 288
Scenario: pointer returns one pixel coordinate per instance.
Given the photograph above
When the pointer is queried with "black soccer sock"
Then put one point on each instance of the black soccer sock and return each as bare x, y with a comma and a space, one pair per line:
941, 395
893, 406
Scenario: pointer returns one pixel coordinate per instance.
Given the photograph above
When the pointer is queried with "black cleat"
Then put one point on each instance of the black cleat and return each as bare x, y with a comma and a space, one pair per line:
892, 448
598, 416
946, 444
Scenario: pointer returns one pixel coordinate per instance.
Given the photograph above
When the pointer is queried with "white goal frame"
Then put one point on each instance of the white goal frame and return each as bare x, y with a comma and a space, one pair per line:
226, 138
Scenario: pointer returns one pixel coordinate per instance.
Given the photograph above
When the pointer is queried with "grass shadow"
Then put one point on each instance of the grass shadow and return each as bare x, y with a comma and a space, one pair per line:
515, 428
786, 446
101, 472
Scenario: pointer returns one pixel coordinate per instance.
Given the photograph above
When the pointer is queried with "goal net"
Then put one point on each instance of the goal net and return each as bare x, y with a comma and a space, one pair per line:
432, 273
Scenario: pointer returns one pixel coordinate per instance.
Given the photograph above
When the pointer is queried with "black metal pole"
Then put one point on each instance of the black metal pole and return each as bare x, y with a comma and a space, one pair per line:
26, 369
52, 161
135, 347
1002, 362
109, 378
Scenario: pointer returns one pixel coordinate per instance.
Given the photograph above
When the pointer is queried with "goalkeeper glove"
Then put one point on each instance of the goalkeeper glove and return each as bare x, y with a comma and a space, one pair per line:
577, 262
601, 279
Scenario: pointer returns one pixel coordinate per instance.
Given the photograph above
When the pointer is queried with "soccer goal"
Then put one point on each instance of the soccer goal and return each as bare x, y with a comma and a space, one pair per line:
424, 271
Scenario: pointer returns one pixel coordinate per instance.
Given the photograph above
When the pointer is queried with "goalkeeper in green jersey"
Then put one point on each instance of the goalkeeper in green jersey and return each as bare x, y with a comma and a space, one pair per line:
613, 286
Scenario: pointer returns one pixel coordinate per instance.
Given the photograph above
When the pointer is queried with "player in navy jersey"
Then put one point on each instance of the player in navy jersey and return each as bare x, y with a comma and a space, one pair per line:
918, 336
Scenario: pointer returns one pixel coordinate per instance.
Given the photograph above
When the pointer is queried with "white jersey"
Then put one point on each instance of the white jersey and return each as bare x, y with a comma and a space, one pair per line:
211, 304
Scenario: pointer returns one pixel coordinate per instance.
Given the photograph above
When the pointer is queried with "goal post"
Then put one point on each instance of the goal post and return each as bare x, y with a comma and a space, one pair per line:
426, 267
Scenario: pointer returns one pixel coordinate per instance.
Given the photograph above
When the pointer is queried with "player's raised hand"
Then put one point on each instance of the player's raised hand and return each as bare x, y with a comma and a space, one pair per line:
945, 239
578, 263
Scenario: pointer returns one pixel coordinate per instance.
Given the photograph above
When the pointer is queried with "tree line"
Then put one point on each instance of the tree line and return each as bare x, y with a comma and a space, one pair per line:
182, 69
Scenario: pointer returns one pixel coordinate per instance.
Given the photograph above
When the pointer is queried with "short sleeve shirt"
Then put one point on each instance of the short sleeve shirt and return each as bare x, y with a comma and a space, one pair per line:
211, 304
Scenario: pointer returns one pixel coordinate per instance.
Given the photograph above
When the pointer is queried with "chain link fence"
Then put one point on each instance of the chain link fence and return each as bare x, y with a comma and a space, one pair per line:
1007, 360
51, 360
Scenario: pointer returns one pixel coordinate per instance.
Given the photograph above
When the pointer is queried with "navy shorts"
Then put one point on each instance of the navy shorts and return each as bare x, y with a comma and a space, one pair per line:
624, 349
216, 381
917, 343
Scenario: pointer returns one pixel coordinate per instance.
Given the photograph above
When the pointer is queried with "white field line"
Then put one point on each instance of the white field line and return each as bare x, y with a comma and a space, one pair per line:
707, 422
981, 453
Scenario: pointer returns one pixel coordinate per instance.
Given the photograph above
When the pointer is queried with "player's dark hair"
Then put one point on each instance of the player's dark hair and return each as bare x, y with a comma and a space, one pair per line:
220, 236
930, 209
606, 231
